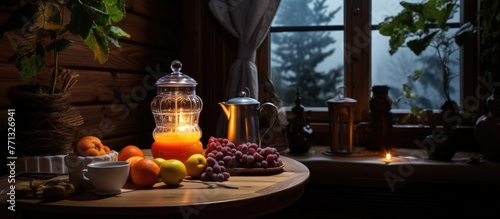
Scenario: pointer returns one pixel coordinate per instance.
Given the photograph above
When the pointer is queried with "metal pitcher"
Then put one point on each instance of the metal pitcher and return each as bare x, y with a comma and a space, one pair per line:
243, 119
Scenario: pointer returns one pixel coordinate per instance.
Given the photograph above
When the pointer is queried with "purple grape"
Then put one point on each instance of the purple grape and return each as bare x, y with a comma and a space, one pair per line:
270, 158
251, 151
211, 155
205, 177
226, 175
209, 170
221, 163
250, 159
220, 177
244, 149
238, 154
258, 157
228, 160
264, 164
257, 165
219, 155
212, 145
211, 161
253, 145
216, 168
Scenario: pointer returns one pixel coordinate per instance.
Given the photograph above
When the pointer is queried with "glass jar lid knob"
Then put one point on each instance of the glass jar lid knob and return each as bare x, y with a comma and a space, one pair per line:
176, 78
176, 66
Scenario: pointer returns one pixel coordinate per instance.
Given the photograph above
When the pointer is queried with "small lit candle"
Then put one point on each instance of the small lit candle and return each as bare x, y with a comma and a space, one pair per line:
387, 158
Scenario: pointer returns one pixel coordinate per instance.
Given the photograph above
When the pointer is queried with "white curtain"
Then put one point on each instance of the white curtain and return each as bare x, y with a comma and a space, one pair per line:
249, 20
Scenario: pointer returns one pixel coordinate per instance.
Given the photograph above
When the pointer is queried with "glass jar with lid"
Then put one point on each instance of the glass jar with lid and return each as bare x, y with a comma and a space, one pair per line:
176, 111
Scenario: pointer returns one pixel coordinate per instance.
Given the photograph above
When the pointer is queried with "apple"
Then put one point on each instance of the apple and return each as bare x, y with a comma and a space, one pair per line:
159, 161
195, 165
172, 172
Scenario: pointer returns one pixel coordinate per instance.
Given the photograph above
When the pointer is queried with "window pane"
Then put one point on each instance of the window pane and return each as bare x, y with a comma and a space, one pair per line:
394, 71
309, 13
311, 61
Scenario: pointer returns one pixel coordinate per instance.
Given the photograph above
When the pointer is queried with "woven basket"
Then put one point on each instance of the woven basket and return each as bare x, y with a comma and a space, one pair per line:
45, 124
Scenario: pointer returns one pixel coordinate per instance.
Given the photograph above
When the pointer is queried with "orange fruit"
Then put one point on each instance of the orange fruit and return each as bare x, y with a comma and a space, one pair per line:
145, 173
132, 160
129, 151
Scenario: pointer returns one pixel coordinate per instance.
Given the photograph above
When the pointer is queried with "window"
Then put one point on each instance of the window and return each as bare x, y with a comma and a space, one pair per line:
326, 46
307, 40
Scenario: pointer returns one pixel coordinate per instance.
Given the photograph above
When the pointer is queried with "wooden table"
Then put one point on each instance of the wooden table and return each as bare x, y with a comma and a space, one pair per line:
257, 195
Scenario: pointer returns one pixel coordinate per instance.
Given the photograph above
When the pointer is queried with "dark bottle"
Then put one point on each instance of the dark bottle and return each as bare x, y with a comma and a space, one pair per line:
487, 128
299, 131
380, 107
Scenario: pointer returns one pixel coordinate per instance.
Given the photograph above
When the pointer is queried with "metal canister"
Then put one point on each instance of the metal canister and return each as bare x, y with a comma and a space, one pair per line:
341, 122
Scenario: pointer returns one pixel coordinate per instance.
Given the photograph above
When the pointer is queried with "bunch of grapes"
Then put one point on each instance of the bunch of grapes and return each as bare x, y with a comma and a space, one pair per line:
222, 154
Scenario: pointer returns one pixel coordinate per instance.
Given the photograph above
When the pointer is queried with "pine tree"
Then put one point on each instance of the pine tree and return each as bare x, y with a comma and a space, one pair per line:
297, 54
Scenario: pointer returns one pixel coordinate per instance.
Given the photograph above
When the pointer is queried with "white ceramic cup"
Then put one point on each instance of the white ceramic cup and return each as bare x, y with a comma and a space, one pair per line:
107, 177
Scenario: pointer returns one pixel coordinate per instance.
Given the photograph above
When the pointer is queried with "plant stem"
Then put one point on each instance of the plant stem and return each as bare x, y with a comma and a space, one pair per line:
56, 71
55, 74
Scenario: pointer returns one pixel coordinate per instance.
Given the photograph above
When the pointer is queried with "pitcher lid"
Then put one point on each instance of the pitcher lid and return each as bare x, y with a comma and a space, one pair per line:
176, 78
243, 99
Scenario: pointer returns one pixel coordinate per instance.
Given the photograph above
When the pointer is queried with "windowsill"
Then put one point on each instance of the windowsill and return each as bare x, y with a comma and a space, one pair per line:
409, 168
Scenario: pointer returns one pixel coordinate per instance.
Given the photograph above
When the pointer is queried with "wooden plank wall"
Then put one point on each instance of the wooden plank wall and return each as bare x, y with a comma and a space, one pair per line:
111, 96
114, 97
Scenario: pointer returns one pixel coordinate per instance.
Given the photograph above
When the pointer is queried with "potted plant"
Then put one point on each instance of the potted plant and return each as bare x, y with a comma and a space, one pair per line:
424, 25
46, 123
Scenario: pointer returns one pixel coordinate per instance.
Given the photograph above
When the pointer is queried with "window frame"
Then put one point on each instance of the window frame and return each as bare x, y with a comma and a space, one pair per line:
357, 59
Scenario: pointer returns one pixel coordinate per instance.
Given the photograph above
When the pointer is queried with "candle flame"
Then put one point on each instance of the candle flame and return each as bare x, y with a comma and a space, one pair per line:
388, 156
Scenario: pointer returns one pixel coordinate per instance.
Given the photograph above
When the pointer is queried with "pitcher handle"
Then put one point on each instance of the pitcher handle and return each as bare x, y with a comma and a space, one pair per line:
273, 121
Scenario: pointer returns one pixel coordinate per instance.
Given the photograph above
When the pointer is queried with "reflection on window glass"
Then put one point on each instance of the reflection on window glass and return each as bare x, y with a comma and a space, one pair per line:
310, 60
400, 68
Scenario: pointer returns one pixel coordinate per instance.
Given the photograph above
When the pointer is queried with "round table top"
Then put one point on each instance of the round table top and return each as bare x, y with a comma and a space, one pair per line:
256, 194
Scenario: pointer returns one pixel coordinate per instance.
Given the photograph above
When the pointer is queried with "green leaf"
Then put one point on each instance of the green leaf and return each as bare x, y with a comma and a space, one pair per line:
406, 88
59, 45
30, 63
115, 33
419, 45
81, 22
115, 9
447, 13
85, 15
386, 28
465, 34
414, 7
99, 17
395, 42
119, 32
417, 74
431, 11
97, 42
47, 17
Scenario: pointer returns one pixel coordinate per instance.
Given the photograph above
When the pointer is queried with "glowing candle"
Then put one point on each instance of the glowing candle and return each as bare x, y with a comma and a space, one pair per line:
387, 158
